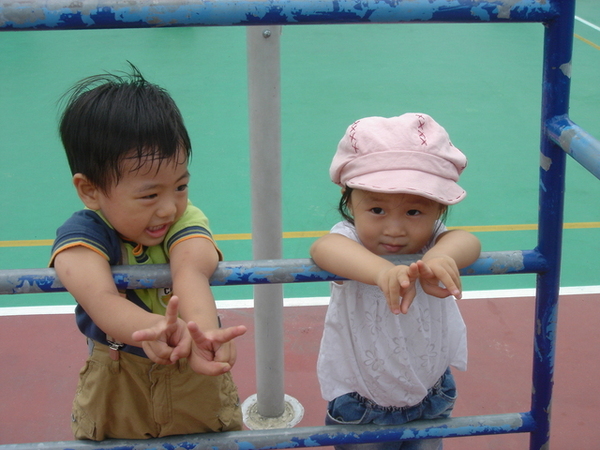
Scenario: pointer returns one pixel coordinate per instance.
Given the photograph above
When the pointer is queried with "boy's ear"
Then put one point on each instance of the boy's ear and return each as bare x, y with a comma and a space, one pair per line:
87, 191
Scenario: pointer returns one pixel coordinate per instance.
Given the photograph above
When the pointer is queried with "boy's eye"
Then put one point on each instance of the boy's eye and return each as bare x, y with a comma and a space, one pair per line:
183, 187
413, 212
377, 211
151, 196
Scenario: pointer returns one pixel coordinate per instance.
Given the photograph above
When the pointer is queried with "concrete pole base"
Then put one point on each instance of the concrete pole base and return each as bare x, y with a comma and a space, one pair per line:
291, 416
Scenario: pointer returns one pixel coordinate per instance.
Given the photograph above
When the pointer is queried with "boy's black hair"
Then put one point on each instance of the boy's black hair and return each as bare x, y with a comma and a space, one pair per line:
109, 118
344, 210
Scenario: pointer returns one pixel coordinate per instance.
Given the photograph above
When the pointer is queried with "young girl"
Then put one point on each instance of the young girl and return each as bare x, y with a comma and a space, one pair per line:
391, 332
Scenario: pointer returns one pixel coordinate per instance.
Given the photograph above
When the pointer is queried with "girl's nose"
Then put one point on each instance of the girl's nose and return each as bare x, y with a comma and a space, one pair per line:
394, 228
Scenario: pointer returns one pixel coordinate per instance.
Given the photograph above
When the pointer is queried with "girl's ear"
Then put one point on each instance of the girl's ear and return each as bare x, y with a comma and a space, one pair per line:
87, 191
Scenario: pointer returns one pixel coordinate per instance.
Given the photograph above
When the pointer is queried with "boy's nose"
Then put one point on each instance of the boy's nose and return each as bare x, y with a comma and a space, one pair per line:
166, 209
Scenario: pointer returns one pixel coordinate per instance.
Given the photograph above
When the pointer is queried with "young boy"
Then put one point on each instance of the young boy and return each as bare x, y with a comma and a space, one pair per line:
150, 373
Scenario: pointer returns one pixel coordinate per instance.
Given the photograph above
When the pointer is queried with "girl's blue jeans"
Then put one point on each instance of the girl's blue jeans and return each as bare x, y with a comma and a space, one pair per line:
353, 409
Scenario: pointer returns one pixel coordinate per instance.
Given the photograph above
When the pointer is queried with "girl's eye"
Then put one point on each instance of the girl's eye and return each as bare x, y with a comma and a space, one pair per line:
377, 211
183, 187
150, 197
413, 212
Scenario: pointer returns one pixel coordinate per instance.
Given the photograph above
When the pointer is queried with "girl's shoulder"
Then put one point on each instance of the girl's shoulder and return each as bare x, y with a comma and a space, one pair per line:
345, 228
438, 230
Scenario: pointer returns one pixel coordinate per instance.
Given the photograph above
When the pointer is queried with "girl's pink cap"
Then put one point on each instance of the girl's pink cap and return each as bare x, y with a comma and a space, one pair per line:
409, 154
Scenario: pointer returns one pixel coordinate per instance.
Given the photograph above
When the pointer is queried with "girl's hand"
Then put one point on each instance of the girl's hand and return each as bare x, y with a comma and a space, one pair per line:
398, 282
398, 286
440, 269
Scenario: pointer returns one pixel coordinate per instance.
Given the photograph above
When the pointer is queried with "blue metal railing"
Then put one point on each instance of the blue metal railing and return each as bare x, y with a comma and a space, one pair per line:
311, 436
235, 273
559, 137
86, 14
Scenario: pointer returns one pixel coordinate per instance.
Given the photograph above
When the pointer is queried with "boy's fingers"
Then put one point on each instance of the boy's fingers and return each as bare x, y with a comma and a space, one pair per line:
172, 308
197, 335
158, 355
227, 353
211, 368
220, 336
182, 350
144, 335
224, 335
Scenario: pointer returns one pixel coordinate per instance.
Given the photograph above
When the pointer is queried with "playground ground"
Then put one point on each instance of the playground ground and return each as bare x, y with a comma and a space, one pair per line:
42, 355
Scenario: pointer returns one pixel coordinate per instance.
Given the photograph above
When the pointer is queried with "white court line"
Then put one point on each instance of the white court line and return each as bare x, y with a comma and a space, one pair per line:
310, 301
589, 24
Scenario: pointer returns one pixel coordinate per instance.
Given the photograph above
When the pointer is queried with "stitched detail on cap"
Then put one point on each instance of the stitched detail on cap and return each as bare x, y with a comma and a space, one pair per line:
420, 129
352, 137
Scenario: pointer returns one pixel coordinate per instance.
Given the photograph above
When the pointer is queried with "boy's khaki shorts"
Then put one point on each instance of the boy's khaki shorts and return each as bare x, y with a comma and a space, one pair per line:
134, 398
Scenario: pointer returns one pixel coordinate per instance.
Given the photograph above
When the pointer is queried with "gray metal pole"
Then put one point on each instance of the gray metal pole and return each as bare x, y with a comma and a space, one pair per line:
265, 165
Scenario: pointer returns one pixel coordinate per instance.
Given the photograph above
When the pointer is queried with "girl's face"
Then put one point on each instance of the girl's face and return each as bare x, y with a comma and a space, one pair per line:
393, 224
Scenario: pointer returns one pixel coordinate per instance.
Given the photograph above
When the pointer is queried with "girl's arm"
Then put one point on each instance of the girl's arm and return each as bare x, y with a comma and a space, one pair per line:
346, 258
453, 251
463, 247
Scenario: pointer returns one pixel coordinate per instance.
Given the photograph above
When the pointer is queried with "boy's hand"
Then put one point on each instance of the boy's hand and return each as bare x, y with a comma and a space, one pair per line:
168, 340
213, 352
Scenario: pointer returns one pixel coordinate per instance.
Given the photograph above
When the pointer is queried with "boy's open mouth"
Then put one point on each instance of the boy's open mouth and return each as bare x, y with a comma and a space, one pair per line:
157, 231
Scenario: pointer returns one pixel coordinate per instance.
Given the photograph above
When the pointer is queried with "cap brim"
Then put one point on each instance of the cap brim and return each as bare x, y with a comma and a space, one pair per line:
441, 190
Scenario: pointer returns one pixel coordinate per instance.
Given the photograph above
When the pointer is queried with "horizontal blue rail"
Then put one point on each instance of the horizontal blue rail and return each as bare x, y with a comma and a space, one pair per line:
87, 14
310, 436
233, 273
579, 144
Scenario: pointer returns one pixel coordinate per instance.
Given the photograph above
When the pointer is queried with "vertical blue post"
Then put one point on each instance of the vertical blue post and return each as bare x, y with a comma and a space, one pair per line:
558, 44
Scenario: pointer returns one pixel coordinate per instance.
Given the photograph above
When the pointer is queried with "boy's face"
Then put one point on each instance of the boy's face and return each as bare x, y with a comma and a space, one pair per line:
147, 201
393, 224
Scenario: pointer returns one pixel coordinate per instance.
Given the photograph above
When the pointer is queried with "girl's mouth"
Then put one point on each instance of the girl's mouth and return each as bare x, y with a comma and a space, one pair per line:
392, 248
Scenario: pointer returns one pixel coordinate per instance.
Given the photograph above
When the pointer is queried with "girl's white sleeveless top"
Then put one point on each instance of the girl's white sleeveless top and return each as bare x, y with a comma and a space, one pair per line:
390, 359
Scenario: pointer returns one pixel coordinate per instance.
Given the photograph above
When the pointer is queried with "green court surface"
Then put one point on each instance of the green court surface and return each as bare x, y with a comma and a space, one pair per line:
482, 82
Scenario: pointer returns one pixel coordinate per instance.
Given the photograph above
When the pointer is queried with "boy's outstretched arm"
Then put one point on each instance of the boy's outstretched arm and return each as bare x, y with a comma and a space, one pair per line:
99, 297
192, 263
